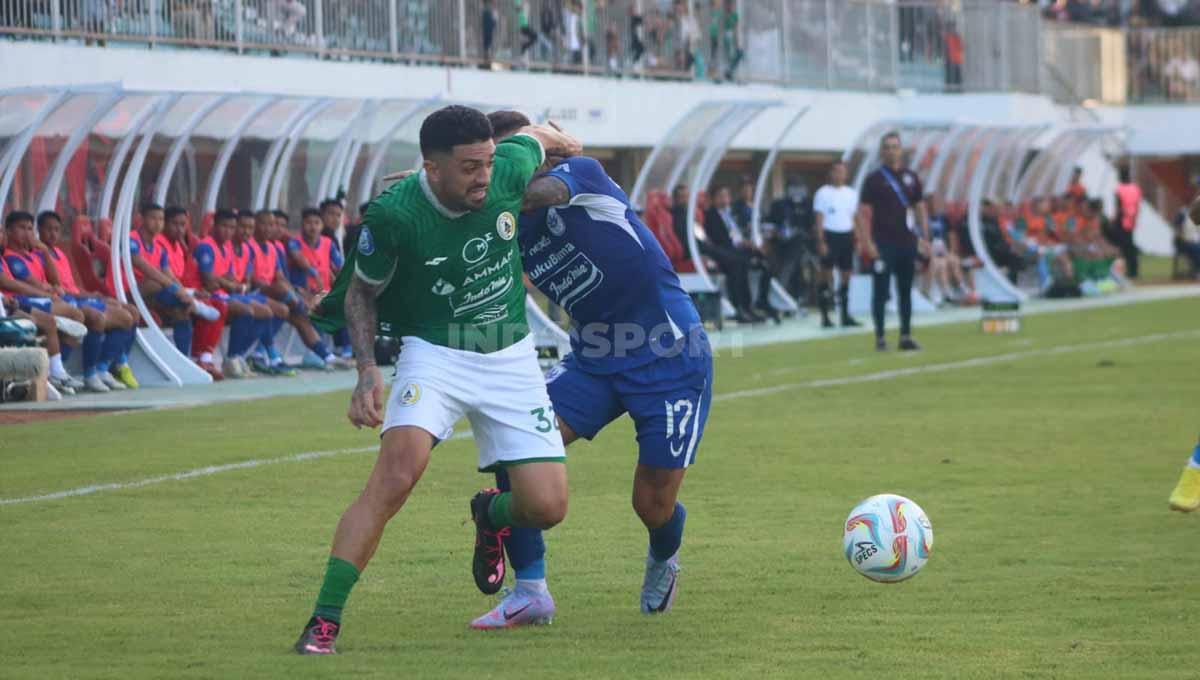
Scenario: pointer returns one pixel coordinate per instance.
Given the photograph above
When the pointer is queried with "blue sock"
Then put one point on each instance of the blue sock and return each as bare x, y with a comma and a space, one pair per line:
525, 548
93, 346
341, 339
320, 349
114, 346
665, 540
1195, 462
127, 347
182, 331
241, 335
66, 351
266, 337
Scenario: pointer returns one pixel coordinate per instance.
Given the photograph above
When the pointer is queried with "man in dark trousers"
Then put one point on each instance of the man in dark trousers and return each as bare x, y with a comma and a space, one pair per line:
737, 256
891, 196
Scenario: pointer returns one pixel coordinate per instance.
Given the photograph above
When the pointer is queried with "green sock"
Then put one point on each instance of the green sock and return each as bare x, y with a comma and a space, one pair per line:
500, 511
340, 577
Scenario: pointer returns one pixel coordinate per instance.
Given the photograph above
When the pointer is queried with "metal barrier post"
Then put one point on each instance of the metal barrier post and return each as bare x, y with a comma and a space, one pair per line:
238, 28
56, 18
462, 29
583, 30
393, 38
153, 21
828, 43
319, 9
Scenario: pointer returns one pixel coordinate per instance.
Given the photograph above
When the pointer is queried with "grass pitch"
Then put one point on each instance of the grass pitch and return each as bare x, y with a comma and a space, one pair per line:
1045, 471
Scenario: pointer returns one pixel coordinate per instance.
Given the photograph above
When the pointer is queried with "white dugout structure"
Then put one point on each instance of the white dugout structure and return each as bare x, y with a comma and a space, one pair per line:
98, 151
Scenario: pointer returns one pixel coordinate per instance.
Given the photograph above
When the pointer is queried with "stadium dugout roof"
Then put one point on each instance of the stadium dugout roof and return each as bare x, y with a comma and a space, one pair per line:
140, 146
966, 164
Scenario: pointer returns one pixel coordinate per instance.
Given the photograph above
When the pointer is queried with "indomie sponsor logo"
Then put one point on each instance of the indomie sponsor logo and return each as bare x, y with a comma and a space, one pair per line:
570, 278
468, 301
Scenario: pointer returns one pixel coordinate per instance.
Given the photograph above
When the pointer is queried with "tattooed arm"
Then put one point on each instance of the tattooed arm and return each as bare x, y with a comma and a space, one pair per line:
366, 403
545, 191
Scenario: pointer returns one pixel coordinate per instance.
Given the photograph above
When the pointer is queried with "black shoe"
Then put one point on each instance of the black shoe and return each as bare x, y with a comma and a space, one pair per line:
826, 323
850, 322
770, 312
487, 566
880, 344
907, 344
318, 637
747, 317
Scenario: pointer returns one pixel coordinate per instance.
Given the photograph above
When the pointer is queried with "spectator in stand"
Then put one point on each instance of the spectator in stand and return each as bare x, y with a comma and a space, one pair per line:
331, 217
834, 208
488, 23
730, 31
637, 38
1129, 200
551, 23
954, 57
529, 37
207, 326
26, 299
1182, 76
737, 256
106, 345
888, 196
572, 41
688, 57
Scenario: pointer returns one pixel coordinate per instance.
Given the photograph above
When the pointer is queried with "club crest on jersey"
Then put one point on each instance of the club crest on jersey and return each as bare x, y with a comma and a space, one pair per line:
506, 226
410, 395
366, 243
554, 223
476, 249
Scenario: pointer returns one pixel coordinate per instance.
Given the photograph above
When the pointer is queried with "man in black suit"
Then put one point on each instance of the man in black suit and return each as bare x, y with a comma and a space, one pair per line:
737, 256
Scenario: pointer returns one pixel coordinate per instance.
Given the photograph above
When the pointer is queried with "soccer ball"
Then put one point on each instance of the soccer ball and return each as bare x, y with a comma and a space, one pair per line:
887, 538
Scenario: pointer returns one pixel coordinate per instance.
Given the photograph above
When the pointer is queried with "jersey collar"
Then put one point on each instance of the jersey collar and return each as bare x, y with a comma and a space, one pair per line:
451, 214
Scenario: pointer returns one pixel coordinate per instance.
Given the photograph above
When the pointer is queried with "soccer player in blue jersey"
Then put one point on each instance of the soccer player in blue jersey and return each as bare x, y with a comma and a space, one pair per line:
638, 347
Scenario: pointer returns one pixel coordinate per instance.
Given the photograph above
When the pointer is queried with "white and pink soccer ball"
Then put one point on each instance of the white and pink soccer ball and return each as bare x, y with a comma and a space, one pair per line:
887, 538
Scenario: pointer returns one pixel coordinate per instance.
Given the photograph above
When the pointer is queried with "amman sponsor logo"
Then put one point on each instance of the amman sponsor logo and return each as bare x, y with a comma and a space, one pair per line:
490, 270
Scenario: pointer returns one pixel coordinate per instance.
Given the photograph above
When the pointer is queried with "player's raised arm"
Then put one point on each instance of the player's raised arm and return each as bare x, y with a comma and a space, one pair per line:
555, 142
545, 191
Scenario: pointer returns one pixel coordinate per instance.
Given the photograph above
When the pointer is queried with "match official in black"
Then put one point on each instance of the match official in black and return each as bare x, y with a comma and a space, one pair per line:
891, 200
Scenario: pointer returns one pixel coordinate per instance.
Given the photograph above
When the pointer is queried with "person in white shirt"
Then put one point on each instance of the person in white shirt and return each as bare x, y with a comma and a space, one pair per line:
834, 207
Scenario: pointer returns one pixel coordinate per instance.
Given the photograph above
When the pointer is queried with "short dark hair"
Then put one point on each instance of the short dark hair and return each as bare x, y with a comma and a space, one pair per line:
888, 135
330, 203
245, 212
173, 211
1123, 174
47, 215
505, 123
280, 213
451, 126
264, 213
148, 207
15, 216
223, 214
310, 212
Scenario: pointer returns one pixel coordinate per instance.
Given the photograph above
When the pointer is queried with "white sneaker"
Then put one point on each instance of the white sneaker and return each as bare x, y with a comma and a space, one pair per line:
64, 385
206, 311
111, 382
93, 383
232, 368
52, 393
247, 371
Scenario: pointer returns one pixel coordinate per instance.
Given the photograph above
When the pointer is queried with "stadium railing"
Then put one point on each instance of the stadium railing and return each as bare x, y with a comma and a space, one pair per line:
881, 45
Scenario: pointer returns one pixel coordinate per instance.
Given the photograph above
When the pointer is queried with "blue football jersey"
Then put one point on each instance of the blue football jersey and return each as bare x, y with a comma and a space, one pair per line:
594, 258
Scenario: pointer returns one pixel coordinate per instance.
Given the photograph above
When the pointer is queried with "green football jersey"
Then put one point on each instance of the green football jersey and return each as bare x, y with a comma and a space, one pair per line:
452, 279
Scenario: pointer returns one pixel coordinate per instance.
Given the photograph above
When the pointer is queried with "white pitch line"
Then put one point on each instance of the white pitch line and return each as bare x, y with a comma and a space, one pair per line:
740, 394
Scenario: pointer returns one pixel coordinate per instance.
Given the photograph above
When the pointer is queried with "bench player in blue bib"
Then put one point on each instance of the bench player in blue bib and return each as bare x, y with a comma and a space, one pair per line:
638, 347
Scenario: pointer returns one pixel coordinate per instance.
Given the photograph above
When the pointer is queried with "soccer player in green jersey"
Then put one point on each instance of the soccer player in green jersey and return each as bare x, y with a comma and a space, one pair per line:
437, 264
